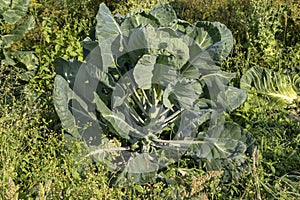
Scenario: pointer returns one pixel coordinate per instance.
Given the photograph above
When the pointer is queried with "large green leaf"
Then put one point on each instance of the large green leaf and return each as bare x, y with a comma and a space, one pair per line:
90, 50
149, 70
140, 169
165, 71
219, 142
190, 121
74, 113
209, 44
225, 98
157, 41
185, 92
83, 78
106, 26
143, 71
13, 10
61, 97
67, 69
107, 30
234, 98
268, 88
219, 35
240, 145
165, 14
138, 18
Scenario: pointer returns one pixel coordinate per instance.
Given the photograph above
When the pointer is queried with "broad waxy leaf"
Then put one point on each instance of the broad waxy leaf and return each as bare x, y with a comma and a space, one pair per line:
143, 71
140, 169
165, 14
13, 10
147, 72
138, 18
234, 98
106, 26
107, 29
209, 43
90, 50
61, 96
186, 92
221, 39
270, 87
220, 142
189, 123
67, 69
165, 73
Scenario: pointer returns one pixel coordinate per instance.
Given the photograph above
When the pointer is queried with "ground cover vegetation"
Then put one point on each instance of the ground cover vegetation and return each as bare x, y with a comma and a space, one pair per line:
35, 163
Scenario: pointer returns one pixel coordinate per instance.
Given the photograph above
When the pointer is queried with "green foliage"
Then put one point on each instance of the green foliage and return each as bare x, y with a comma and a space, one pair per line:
269, 30
124, 7
264, 26
35, 159
276, 174
59, 32
221, 10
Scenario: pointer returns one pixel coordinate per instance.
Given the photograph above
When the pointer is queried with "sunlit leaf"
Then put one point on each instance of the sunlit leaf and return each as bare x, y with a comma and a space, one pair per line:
269, 87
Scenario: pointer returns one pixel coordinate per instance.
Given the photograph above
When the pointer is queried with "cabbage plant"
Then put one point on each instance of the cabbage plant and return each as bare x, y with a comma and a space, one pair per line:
151, 91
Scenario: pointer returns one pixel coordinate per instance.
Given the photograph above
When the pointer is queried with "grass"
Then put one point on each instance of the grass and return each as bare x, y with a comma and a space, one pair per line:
35, 163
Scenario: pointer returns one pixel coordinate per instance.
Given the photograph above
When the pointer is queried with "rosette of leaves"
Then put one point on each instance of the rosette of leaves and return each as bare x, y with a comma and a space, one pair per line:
151, 90
15, 24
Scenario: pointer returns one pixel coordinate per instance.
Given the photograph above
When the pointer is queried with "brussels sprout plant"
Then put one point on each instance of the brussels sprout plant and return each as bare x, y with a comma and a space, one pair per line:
150, 91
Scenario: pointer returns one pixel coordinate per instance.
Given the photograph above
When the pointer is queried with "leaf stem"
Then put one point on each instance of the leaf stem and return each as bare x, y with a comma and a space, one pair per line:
180, 141
108, 150
174, 115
